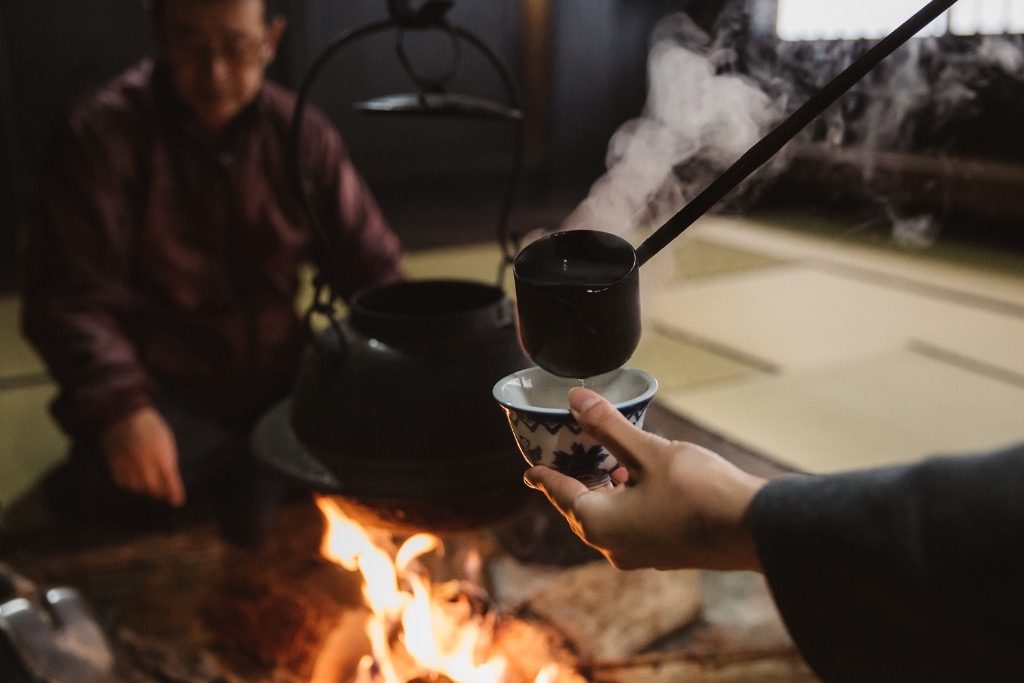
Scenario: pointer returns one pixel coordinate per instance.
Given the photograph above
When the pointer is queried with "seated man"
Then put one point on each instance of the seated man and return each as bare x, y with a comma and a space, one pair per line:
162, 268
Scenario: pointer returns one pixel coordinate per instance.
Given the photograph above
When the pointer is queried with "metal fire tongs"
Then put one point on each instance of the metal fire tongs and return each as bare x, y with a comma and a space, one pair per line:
57, 641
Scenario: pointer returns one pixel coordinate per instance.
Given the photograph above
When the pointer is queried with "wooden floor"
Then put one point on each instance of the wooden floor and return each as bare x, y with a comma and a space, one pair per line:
808, 348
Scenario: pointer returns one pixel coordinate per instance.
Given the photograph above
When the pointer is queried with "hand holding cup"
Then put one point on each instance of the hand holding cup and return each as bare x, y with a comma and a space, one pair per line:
683, 506
536, 404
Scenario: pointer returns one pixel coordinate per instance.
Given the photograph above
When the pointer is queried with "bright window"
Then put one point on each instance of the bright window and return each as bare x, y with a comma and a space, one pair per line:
851, 19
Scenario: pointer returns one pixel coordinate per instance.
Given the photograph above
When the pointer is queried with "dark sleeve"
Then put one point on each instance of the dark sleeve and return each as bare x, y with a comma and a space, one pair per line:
75, 283
909, 573
367, 251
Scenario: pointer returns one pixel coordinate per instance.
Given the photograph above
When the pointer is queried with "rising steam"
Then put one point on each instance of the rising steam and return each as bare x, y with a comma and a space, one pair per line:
711, 97
695, 124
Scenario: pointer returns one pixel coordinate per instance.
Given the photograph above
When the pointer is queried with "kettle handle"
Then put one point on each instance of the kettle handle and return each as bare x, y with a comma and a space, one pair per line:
429, 15
323, 303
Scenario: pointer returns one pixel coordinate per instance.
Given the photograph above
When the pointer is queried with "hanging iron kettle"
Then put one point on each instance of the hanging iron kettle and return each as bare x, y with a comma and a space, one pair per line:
391, 409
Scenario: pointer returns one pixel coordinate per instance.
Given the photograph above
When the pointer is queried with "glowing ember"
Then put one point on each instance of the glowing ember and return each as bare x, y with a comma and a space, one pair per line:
417, 630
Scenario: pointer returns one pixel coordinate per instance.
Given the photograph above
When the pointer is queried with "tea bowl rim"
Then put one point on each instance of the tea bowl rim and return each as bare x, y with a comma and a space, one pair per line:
644, 398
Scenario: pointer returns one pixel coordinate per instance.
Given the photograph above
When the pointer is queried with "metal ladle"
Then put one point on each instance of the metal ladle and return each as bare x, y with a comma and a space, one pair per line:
578, 291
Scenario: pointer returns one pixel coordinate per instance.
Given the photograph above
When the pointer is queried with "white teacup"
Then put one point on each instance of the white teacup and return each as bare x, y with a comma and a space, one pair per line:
537, 405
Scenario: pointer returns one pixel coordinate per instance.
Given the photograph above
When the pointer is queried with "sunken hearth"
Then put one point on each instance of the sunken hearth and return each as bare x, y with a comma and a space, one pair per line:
183, 605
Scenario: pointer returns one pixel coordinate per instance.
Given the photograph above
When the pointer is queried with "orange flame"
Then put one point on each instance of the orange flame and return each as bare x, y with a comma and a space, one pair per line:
412, 632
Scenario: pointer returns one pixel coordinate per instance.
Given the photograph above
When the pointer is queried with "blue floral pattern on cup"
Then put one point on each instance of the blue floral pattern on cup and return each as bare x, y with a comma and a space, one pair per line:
552, 438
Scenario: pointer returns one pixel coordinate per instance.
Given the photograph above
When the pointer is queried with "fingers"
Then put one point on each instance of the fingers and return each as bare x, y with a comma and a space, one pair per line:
560, 489
587, 511
125, 476
160, 469
171, 487
609, 427
143, 458
150, 475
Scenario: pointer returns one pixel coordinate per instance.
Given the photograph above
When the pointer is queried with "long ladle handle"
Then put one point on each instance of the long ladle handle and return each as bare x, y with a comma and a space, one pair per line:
771, 143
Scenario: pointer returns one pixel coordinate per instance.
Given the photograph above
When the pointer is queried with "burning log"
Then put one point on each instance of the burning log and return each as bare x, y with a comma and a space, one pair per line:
665, 667
605, 613
421, 630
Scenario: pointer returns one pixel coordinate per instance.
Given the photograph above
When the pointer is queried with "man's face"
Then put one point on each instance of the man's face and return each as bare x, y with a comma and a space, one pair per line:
217, 52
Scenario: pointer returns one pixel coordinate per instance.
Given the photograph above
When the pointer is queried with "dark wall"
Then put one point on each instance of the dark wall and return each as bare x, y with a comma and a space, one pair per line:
57, 51
52, 52
8, 160
595, 81
599, 76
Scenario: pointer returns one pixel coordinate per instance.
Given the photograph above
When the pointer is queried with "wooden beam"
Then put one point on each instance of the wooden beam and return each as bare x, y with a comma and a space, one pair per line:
536, 51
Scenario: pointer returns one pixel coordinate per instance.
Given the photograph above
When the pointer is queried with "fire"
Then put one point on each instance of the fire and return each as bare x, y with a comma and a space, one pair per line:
415, 629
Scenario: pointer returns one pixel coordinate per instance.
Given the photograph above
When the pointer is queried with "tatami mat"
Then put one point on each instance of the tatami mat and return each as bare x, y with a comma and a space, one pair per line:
30, 442
891, 407
478, 262
799, 316
696, 255
17, 359
677, 363
957, 269
868, 355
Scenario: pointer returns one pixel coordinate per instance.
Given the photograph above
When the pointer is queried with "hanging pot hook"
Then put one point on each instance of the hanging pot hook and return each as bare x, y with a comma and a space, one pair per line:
430, 83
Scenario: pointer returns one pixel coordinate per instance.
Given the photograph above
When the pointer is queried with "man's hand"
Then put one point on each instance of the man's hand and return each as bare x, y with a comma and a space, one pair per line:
143, 457
680, 505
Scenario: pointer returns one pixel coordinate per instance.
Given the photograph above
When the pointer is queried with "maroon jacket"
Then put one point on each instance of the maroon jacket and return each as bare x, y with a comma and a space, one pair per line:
158, 260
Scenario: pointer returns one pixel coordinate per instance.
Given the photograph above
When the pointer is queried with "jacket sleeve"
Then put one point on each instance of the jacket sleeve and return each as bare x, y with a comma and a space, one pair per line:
76, 281
366, 250
908, 573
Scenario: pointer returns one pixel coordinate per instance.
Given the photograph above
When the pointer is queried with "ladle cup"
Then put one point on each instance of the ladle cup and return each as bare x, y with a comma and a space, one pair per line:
578, 295
578, 291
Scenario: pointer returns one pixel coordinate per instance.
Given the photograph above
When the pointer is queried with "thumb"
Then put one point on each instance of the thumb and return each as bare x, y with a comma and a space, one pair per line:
601, 420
